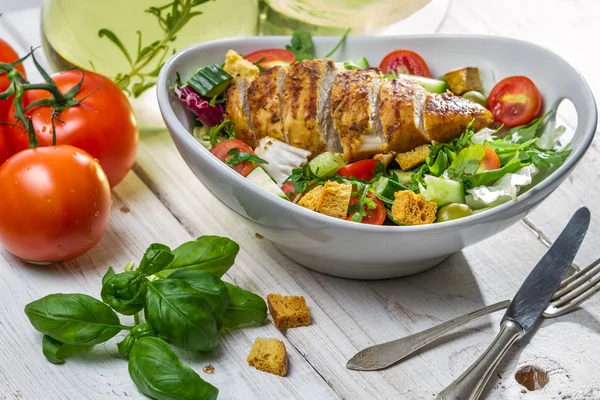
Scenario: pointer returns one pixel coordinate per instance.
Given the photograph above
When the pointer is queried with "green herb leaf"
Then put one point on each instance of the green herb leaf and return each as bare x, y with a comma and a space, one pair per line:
337, 46
522, 134
109, 274
489, 177
156, 258
181, 314
467, 162
212, 288
242, 156
302, 46
125, 292
113, 38
73, 319
221, 132
138, 332
140, 87
360, 64
53, 350
244, 308
213, 254
158, 373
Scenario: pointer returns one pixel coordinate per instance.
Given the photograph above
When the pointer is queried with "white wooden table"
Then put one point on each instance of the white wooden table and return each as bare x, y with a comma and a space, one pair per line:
168, 204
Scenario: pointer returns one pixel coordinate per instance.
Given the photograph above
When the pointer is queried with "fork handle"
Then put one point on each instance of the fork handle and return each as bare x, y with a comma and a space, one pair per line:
470, 384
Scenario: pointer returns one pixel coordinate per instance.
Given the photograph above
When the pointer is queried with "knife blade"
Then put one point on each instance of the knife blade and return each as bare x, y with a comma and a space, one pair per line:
525, 309
537, 290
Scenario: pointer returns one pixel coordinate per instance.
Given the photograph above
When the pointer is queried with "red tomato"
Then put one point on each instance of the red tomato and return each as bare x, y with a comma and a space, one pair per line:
55, 203
103, 124
221, 149
489, 162
271, 57
5, 151
515, 101
374, 216
404, 62
364, 170
7, 55
289, 191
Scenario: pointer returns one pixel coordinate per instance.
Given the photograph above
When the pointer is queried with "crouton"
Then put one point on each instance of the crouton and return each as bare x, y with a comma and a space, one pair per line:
413, 158
463, 80
236, 65
288, 311
335, 199
269, 355
311, 199
385, 158
410, 208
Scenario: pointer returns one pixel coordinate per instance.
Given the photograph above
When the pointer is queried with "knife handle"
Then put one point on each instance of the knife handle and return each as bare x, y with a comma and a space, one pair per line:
470, 384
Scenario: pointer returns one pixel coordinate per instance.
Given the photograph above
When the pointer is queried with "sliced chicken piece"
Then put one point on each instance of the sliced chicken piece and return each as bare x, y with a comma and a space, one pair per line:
237, 110
354, 108
332, 138
302, 101
445, 116
264, 103
401, 108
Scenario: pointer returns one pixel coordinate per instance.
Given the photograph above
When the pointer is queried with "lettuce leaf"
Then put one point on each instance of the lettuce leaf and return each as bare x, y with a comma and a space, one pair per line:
505, 189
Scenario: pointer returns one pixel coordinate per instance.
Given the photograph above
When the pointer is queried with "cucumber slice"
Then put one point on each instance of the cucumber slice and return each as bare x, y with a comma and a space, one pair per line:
259, 177
443, 191
385, 187
326, 164
403, 177
432, 85
210, 81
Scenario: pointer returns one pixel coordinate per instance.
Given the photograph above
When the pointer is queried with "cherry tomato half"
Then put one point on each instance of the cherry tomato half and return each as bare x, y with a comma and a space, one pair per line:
489, 162
364, 170
515, 101
375, 216
221, 150
289, 191
404, 62
55, 203
268, 58
7, 55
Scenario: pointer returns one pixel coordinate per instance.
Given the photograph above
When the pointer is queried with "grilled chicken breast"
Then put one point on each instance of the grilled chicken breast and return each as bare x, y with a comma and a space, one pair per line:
314, 106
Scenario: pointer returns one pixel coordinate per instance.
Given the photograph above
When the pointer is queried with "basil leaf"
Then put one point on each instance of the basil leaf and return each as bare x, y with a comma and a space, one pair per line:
139, 331
109, 274
155, 259
73, 318
125, 292
302, 46
53, 350
181, 314
158, 373
214, 254
244, 308
212, 288
240, 157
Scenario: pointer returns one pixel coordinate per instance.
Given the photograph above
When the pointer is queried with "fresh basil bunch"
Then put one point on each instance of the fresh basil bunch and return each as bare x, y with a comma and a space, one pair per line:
184, 302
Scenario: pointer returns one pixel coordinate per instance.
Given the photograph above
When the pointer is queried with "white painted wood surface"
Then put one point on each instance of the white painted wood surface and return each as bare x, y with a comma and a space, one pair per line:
168, 204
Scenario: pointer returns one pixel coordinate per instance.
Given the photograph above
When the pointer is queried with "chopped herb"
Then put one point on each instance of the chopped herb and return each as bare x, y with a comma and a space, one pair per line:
242, 156
302, 46
360, 64
357, 210
221, 132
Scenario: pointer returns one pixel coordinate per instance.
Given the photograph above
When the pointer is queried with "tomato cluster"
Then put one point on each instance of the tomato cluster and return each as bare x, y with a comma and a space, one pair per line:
78, 139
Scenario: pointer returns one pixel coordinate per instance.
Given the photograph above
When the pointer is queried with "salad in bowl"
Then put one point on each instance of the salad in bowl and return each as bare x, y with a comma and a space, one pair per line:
373, 144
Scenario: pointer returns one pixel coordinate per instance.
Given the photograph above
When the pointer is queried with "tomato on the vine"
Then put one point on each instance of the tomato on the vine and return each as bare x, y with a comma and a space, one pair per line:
7, 55
55, 203
102, 123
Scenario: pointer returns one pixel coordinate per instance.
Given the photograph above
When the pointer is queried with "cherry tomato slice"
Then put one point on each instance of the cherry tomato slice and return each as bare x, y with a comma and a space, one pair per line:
489, 162
374, 216
515, 101
289, 191
404, 62
364, 170
268, 58
221, 149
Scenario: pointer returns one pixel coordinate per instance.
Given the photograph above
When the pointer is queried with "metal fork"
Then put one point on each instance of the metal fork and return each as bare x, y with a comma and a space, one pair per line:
573, 291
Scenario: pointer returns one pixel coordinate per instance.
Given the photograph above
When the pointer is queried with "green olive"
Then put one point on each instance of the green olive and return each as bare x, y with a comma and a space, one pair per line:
476, 97
453, 211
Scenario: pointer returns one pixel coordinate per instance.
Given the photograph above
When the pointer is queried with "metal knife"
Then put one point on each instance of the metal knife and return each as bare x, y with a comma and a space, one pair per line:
525, 309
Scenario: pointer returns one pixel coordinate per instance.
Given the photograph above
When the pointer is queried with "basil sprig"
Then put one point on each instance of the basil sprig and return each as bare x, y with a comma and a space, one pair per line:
183, 300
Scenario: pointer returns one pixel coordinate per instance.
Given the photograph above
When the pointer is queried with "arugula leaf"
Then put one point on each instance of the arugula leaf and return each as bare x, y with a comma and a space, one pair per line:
467, 162
360, 64
221, 132
487, 178
546, 158
242, 156
302, 46
522, 134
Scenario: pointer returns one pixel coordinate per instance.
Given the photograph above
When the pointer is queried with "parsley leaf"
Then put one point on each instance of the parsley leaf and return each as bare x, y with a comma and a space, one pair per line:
241, 156
302, 46
337, 46
221, 132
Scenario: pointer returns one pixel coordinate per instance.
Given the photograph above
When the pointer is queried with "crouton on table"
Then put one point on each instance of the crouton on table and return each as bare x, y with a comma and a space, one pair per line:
288, 311
413, 158
269, 355
410, 208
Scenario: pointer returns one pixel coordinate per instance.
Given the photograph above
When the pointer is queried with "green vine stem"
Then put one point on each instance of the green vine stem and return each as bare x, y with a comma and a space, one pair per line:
171, 18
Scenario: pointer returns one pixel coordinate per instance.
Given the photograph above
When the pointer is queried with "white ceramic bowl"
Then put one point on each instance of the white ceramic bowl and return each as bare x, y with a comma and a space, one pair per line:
352, 250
